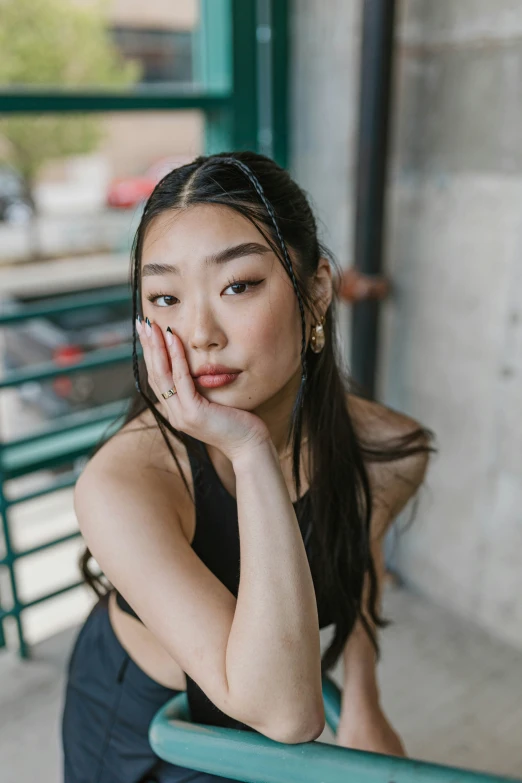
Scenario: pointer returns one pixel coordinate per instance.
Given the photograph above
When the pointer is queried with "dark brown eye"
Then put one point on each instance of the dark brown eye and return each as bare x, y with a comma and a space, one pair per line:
234, 283
152, 298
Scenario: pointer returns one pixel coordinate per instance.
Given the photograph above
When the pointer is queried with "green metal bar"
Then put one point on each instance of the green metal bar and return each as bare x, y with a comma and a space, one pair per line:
19, 606
244, 131
214, 54
214, 66
64, 482
71, 421
33, 454
218, 132
10, 570
16, 461
332, 703
2, 634
40, 548
102, 357
22, 99
64, 304
54, 594
252, 42
252, 757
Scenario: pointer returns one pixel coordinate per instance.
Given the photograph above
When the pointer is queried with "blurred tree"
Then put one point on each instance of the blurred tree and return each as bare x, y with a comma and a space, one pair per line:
62, 43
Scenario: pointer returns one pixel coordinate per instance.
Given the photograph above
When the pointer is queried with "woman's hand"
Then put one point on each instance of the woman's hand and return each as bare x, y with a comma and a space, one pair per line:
371, 731
231, 430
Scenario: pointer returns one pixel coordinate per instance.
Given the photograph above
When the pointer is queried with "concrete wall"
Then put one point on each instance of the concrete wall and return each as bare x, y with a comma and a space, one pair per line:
324, 78
452, 334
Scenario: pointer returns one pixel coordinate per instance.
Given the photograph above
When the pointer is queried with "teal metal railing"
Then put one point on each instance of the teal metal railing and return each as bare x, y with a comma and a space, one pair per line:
251, 757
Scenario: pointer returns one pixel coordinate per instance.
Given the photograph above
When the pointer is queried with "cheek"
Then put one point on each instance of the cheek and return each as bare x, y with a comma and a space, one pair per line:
273, 340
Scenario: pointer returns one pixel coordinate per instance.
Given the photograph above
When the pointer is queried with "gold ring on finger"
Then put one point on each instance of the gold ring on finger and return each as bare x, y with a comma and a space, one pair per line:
169, 393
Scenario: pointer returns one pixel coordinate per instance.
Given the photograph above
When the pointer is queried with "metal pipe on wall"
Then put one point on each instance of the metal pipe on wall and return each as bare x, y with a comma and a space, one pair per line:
372, 157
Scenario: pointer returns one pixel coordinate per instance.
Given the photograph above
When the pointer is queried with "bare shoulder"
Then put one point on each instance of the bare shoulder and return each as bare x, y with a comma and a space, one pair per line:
140, 444
138, 453
393, 481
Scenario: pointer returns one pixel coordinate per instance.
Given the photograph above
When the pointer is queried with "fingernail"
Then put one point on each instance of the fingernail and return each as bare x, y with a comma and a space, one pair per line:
168, 336
138, 318
148, 326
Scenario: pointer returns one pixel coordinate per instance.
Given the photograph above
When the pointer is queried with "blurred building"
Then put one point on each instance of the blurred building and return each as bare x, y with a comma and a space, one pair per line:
159, 35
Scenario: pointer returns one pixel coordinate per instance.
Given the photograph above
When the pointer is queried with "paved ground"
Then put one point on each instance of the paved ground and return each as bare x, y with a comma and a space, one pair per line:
454, 694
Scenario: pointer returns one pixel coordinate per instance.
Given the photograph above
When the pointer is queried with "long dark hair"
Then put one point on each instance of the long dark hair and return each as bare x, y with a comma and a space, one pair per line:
340, 492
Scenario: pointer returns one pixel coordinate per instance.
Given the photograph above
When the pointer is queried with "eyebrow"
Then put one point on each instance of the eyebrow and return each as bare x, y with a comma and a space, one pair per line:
216, 259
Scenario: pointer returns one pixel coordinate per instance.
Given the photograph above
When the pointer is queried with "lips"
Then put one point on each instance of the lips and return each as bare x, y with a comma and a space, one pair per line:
215, 369
216, 379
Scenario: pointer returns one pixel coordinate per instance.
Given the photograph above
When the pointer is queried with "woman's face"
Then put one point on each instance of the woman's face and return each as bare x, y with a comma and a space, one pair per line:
254, 327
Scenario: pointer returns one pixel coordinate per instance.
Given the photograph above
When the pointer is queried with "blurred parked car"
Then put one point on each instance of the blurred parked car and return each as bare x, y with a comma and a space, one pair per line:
15, 204
65, 338
131, 191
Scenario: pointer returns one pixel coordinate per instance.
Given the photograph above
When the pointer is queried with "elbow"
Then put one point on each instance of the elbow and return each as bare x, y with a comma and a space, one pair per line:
295, 733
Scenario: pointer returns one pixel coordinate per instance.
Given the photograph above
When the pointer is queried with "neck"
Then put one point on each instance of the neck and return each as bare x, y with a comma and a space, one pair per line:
276, 414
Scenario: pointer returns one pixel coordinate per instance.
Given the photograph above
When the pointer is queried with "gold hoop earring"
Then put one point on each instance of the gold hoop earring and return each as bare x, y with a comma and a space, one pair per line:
317, 338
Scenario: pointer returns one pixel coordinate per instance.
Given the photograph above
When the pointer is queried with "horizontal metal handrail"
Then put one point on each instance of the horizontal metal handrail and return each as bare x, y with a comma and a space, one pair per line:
55, 305
70, 421
251, 756
65, 481
14, 555
100, 357
27, 99
55, 450
19, 606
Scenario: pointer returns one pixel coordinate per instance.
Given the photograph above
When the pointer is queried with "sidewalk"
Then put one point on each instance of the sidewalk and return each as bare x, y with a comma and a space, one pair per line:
454, 695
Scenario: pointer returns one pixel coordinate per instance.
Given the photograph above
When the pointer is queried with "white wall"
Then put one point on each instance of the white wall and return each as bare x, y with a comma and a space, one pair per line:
324, 78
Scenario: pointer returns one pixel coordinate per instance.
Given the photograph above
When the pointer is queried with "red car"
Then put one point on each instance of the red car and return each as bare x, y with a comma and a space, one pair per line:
130, 191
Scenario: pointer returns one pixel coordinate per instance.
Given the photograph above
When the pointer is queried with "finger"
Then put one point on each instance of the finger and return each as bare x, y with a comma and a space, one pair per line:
140, 329
160, 360
181, 376
145, 342
146, 345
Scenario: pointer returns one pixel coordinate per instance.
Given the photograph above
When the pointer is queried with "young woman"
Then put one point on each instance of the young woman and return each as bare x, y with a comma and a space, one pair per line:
241, 505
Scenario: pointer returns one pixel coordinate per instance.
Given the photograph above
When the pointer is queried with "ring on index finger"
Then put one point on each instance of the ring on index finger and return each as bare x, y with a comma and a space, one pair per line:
169, 393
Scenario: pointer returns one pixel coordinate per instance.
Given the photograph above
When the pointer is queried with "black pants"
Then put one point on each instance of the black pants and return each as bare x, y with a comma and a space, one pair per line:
108, 706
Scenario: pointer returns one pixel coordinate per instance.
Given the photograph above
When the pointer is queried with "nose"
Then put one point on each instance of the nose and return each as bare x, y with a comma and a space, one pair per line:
202, 328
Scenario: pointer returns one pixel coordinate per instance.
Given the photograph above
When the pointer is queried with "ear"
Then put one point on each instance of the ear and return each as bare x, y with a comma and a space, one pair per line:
323, 288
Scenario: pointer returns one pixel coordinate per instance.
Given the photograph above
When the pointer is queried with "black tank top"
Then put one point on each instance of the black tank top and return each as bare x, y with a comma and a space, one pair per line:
216, 542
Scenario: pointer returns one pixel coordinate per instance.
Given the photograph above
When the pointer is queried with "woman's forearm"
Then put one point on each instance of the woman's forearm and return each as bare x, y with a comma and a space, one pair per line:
363, 724
360, 684
273, 657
